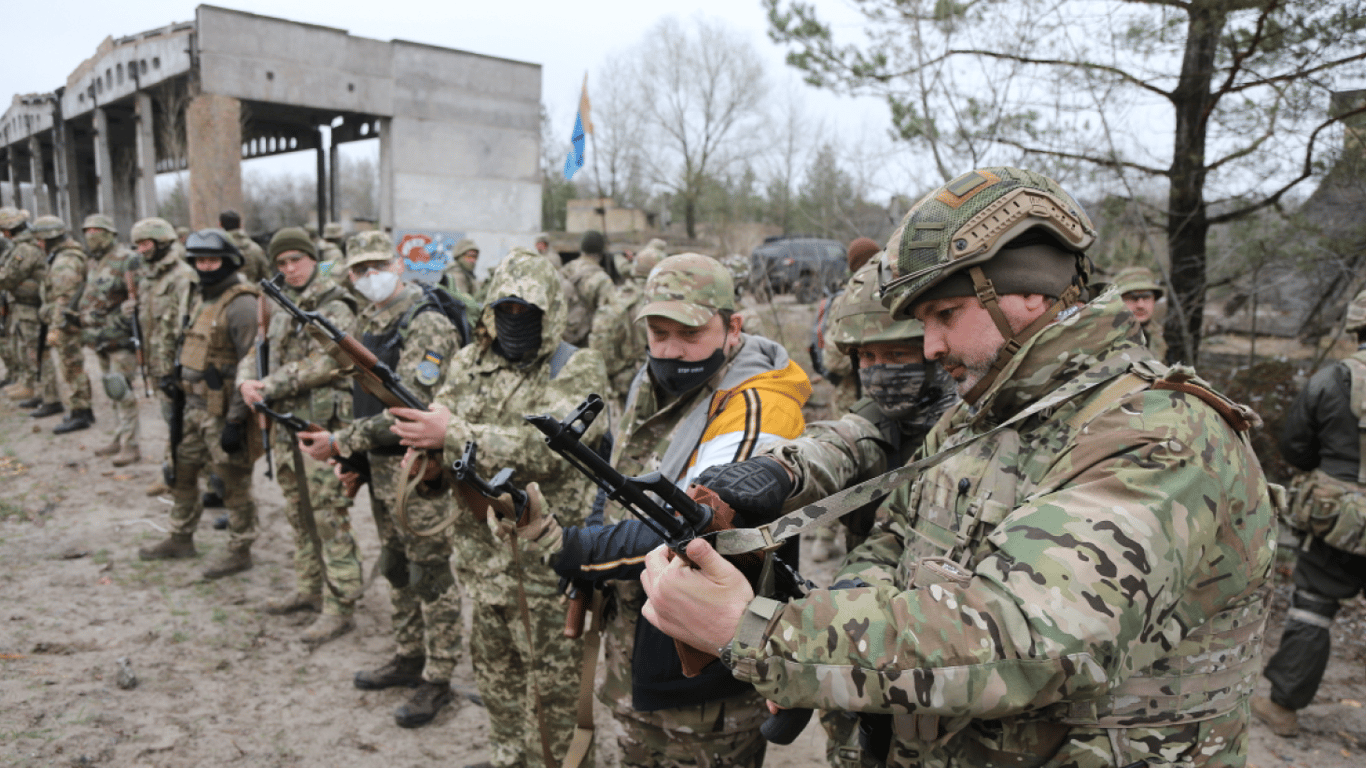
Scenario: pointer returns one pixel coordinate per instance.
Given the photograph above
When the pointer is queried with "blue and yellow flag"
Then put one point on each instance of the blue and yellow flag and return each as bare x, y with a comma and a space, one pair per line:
583, 125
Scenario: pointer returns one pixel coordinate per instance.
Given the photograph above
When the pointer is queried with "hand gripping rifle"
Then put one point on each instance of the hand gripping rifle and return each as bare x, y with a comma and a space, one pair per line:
356, 462
678, 520
132, 287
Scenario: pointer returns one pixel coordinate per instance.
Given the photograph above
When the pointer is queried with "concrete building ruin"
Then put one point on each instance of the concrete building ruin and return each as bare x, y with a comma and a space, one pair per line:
458, 132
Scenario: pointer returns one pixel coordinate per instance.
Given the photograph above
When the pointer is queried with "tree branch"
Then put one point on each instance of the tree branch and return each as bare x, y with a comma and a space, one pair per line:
1101, 161
1082, 65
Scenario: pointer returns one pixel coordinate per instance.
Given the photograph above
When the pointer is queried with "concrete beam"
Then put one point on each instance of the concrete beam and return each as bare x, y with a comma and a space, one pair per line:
386, 174
64, 159
145, 195
13, 180
35, 164
104, 164
213, 146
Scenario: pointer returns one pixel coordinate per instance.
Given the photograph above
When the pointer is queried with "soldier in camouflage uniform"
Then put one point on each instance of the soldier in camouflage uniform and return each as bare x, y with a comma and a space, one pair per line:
590, 280
330, 249
61, 289
322, 397
517, 365
459, 275
165, 284
1082, 584
8, 354
105, 330
21, 271
407, 332
616, 335
256, 267
1141, 292
217, 436
547, 250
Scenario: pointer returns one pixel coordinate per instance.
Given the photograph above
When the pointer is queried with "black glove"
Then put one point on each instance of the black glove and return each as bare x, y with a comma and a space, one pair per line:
756, 488
234, 437
169, 385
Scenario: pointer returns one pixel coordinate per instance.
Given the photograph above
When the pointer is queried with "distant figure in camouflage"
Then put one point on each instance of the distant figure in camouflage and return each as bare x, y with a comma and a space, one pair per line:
826, 357
8, 354
294, 385
218, 437
1141, 293
21, 274
459, 275
517, 365
256, 266
108, 332
330, 247
165, 286
1103, 538
61, 289
417, 341
1321, 438
615, 333
590, 280
547, 250
707, 394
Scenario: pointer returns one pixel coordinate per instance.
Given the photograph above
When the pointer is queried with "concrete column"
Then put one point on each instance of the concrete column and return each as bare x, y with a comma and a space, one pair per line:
145, 190
213, 150
13, 171
68, 179
104, 164
386, 174
333, 180
35, 165
321, 154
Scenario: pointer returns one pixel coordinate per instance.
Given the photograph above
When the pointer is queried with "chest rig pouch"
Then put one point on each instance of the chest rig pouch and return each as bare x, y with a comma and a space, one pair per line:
1331, 509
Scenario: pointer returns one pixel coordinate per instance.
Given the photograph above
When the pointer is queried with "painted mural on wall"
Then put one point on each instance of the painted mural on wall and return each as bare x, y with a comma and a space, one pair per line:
426, 253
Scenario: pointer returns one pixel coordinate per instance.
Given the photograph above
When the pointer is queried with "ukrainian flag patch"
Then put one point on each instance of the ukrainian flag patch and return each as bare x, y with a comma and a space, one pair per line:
429, 370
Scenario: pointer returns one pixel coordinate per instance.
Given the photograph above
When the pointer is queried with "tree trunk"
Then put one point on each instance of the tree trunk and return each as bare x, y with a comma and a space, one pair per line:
1187, 217
690, 214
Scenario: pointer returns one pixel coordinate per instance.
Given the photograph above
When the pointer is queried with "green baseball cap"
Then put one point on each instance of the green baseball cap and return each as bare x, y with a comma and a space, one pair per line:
688, 288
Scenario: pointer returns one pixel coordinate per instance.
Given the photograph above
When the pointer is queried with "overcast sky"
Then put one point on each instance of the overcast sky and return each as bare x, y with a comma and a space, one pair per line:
46, 42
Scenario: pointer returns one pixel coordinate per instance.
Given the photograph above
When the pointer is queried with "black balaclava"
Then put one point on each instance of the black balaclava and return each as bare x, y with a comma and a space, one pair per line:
518, 335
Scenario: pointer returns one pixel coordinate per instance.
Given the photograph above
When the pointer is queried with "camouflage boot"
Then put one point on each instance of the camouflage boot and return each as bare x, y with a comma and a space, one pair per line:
177, 546
426, 701
236, 561
296, 602
401, 670
158, 488
109, 450
1282, 722
129, 455
327, 628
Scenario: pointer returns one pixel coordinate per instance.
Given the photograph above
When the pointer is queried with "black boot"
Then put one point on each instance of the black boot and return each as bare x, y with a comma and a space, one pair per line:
401, 670
47, 409
214, 496
32, 402
426, 701
81, 418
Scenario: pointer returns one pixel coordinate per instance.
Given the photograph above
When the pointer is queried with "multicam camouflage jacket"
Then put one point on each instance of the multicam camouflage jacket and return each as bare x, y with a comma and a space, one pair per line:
1103, 590
617, 336
21, 273
593, 284
103, 326
165, 289
62, 285
294, 384
255, 265
488, 395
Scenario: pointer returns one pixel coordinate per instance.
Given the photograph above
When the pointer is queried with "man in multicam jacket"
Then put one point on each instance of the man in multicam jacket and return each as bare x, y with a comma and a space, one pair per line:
323, 397
590, 279
1083, 584
256, 266
61, 289
517, 365
105, 330
21, 272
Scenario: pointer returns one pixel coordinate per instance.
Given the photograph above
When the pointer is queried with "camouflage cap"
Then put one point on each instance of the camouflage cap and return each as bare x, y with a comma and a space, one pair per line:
365, 247
99, 221
48, 227
156, 229
645, 261
466, 244
969, 220
1356, 314
292, 239
1137, 279
688, 288
11, 217
858, 317
332, 230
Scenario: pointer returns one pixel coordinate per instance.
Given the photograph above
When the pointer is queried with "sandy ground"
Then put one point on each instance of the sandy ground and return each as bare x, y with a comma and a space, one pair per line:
220, 683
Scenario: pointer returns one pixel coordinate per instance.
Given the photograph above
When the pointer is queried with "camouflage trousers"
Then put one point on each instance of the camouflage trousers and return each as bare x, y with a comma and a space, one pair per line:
67, 358
512, 673
714, 734
424, 595
9, 352
23, 338
199, 453
124, 362
331, 509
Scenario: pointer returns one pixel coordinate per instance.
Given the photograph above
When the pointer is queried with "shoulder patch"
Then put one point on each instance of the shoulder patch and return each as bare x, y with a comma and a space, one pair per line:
429, 370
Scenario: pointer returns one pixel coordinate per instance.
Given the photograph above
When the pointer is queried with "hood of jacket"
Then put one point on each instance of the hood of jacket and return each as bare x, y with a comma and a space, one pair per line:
530, 277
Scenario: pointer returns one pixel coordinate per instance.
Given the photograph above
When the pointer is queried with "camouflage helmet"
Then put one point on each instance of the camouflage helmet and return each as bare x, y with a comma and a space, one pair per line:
332, 230
1132, 279
688, 288
99, 221
155, 229
966, 223
364, 247
1356, 314
645, 261
11, 217
857, 316
463, 246
48, 228
213, 242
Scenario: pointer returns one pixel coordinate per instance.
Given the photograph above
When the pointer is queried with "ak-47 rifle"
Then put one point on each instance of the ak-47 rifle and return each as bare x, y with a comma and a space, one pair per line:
131, 284
356, 462
262, 371
677, 521
373, 374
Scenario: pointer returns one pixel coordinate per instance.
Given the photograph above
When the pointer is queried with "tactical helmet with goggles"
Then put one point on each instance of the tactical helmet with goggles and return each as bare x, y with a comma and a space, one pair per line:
48, 228
858, 316
212, 242
1356, 314
156, 229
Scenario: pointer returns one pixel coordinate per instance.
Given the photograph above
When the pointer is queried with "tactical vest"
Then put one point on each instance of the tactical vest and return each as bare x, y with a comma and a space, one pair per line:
28, 290
959, 502
1329, 508
208, 348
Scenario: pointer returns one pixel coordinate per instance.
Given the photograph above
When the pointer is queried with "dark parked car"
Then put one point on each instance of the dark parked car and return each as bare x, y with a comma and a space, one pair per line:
808, 267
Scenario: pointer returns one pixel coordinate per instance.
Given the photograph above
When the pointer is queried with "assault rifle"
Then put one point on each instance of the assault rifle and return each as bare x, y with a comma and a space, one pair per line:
678, 520
137, 332
262, 371
374, 375
356, 462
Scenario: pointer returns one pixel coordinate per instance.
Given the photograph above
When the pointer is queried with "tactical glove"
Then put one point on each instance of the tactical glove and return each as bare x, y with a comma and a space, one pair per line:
234, 437
756, 488
539, 533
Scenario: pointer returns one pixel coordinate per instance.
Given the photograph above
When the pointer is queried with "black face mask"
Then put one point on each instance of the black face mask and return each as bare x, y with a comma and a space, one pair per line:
679, 377
208, 280
917, 391
159, 252
519, 335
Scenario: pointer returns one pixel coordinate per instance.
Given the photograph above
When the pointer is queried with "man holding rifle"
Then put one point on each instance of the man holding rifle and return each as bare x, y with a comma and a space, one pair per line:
315, 503
1079, 575
409, 334
105, 330
21, 274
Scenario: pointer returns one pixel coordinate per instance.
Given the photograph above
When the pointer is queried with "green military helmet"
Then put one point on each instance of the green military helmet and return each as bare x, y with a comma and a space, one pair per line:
1356, 314
1132, 279
48, 228
966, 222
858, 317
99, 221
12, 218
369, 246
688, 288
155, 229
